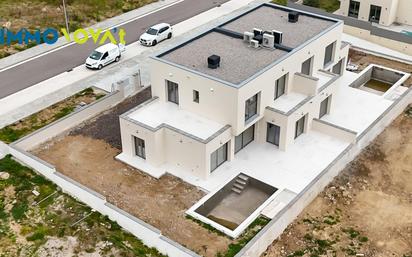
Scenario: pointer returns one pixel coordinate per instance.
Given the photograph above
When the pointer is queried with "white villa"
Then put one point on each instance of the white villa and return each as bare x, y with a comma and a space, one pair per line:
275, 72
254, 110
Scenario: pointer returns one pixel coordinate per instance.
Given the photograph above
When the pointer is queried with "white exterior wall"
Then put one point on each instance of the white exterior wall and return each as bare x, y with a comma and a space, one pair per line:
226, 104
404, 14
217, 100
392, 10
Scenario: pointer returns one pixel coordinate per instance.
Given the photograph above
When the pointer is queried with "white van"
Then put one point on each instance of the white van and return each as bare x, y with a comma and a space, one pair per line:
104, 55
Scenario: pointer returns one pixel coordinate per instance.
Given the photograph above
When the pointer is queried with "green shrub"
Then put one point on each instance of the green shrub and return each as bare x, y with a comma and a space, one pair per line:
313, 3
19, 210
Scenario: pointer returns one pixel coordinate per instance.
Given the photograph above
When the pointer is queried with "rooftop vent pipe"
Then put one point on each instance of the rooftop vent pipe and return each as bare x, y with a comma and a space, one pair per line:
213, 61
293, 17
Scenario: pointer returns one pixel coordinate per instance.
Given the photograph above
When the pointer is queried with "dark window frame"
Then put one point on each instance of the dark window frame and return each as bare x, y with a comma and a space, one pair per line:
309, 63
377, 9
223, 148
300, 126
242, 137
251, 107
276, 128
324, 107
329, 53
354, 7
141, 152
196, 96
172, 89
280, 86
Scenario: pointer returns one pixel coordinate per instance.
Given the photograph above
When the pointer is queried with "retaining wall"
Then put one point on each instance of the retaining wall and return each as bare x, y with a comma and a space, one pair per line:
145, 232
278, 224
53, 129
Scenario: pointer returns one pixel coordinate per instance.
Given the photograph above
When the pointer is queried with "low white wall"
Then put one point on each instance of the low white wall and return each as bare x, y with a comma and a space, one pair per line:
4, 149
333, 130
52, 130
278, 224
145, 232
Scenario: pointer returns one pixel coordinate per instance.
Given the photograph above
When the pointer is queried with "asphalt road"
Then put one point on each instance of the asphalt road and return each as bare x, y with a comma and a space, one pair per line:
54, 63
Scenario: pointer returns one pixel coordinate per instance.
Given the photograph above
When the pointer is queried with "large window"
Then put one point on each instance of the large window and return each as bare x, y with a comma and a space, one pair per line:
273, 134
245, 138
354, 9
375, 14
324, 107
172, 92
139, 147
300, 127
251, 107
218, 157
307, 67
329, 54
280, 86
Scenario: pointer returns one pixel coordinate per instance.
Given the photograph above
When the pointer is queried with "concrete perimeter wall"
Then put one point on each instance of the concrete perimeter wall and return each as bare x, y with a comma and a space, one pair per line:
53, 129
365, 30
145, 232
278, 224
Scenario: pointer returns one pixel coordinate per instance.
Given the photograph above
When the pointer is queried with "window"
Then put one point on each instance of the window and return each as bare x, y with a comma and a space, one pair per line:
300, 127
273, 134
172, 92
353, 9
307, 67
139, 147
337, 69
280, 86
105, 55
251, 107
245, 138
218, 157
375, 14
329, 54
163, 29
195, 96
324, 107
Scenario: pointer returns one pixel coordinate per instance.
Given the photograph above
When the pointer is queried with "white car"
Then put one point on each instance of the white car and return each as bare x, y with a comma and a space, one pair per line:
104, 55
155, 34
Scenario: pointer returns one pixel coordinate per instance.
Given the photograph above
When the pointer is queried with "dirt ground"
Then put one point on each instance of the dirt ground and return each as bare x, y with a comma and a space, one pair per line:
110, 121
52, 223
363, 60
367, 210
161, 203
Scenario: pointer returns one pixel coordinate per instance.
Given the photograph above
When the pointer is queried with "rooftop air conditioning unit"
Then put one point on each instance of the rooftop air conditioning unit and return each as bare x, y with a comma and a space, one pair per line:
268, 40
278, 35
247, 36
257, 32
293, 17
254, 43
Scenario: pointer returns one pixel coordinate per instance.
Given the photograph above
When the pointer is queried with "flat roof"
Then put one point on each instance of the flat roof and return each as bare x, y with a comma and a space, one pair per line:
158, 113
239, 61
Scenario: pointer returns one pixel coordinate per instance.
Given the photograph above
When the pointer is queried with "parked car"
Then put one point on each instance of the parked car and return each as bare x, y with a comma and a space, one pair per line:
104, 55
155, 34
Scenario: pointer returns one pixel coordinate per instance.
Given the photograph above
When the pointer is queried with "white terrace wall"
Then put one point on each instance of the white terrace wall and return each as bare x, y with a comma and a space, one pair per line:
278, 224
56, 128
4, 149
145, 232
